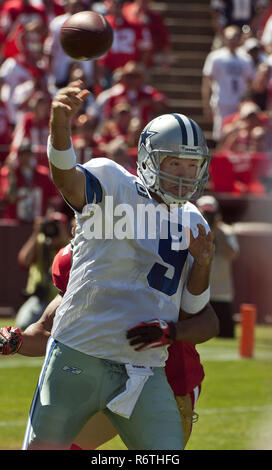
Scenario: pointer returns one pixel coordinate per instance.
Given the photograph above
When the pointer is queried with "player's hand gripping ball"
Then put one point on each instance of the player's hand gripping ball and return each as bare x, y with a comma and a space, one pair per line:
86, 35
10, 340
151, 334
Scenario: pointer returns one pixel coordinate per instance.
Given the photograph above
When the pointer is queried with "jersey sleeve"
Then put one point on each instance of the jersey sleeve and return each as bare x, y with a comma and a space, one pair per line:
104, 177
93, 188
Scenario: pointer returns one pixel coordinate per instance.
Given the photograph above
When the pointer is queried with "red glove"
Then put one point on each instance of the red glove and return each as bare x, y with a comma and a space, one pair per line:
151, 334
10, 340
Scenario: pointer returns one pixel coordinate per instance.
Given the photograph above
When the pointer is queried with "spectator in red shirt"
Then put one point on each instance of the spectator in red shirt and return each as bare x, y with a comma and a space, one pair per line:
236, 131
15, 15
140, 12
240, 173
242, 162
117, 125
117, 150
146, 101
34, 126
85, 141
120, 136
26, 189
131, 42
28, 66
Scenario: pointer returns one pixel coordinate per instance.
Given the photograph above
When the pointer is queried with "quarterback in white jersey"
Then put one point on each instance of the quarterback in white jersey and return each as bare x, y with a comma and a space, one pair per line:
104, 332
121, 279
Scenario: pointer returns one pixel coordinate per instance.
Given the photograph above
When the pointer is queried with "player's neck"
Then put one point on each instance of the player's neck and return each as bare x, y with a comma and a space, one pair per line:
159, 199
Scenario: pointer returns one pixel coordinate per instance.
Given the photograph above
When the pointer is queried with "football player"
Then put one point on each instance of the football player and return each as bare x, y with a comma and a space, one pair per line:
183, 368
104, 353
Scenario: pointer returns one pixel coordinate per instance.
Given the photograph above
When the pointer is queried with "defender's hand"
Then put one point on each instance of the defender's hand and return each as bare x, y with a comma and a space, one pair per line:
10, 340
151, 334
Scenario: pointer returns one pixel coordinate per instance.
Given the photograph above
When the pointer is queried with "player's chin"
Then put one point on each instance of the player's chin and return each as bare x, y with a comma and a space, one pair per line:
175, 190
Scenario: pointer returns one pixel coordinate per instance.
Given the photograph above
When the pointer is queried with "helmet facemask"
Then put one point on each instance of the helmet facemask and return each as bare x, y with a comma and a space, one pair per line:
173, 135
154, 177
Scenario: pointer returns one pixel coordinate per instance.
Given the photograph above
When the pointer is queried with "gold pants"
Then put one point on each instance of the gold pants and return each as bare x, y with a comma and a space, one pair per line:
188, 416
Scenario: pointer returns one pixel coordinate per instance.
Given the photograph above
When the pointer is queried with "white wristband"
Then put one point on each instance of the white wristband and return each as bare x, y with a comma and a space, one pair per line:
62, 159
194, 303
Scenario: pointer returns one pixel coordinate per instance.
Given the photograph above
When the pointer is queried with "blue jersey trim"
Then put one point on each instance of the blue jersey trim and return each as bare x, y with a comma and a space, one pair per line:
93, 186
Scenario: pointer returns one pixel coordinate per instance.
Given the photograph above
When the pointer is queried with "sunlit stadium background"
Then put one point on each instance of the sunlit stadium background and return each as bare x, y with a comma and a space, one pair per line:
235, 406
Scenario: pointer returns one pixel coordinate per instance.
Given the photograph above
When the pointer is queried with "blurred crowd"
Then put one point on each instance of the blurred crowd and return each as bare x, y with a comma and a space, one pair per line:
34, 67
237, 96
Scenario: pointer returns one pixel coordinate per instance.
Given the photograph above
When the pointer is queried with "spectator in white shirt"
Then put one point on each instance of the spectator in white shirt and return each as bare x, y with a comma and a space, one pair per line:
226, 77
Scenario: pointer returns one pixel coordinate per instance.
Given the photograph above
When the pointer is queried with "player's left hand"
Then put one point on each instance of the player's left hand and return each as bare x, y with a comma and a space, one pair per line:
10, 340
151, 334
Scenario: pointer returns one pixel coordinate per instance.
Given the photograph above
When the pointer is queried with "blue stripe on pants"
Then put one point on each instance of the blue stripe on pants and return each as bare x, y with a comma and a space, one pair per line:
49, 349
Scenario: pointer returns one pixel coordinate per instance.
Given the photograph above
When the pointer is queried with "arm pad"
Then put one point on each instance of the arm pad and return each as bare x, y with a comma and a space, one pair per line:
61, 159
194, 303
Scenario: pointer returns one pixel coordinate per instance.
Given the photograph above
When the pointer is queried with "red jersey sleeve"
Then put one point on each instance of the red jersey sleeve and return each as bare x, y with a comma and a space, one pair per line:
61, 268
183, 368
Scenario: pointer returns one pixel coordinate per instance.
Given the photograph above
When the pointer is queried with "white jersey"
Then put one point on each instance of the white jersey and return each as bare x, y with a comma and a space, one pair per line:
230, 74
117, 283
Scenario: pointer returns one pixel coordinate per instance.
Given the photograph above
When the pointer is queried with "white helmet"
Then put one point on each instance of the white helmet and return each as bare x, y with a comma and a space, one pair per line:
173, 135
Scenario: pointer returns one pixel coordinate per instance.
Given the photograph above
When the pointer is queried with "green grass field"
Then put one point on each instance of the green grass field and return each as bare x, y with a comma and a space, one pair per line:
235, 406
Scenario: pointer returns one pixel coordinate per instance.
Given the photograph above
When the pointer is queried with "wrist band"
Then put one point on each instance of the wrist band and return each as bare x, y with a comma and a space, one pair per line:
194, 303
62, 159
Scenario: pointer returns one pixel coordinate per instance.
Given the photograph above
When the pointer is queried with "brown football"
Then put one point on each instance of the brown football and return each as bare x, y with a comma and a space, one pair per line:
86, 35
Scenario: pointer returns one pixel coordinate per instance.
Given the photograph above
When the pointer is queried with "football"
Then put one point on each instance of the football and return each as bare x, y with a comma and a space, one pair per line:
86, 35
